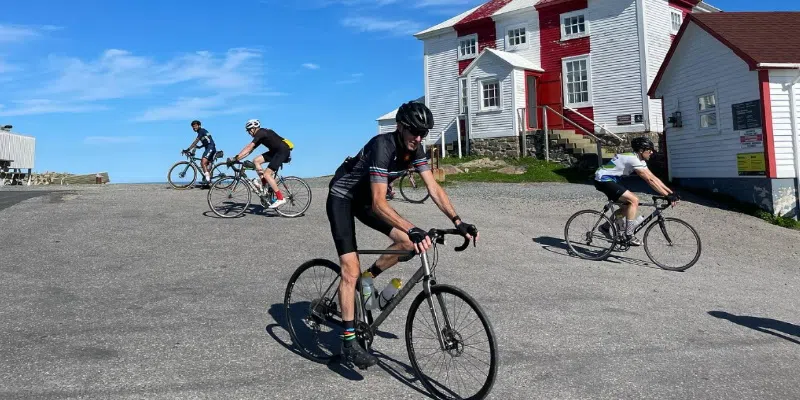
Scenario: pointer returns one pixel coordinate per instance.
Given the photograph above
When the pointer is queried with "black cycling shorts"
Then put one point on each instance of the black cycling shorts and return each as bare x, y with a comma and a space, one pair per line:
612, 190
342, 214
209, 153
276, 158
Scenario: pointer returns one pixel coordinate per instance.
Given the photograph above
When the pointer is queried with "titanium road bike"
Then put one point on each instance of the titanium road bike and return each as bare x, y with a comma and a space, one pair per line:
587, 241
450, 341
230, 196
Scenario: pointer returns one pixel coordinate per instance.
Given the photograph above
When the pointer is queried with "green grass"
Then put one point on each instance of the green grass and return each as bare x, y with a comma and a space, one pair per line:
537, 171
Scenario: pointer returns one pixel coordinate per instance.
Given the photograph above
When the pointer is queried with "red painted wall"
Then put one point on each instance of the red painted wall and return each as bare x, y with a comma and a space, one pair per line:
553, 50
487, 37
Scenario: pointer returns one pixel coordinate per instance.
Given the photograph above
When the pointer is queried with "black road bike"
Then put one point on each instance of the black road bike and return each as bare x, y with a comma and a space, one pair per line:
183, 174
451, 343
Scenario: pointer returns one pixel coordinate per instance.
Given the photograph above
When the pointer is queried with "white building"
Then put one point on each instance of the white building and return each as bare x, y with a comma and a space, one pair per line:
16, 155
487, 70
732, 99
387, 123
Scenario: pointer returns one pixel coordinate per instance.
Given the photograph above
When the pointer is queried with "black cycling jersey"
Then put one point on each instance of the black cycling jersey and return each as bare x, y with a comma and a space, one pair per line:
269, 139
379, 161
204, 137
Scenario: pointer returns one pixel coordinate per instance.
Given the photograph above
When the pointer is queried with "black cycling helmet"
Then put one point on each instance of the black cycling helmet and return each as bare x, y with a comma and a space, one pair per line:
641, 144
195, 122
415, 116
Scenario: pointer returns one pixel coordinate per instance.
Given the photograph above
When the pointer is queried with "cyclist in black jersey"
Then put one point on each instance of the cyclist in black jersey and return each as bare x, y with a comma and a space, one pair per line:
278, 152
358, 190
207, 142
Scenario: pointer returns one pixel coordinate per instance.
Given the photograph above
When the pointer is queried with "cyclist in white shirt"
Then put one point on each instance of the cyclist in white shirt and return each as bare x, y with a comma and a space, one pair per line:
607, 177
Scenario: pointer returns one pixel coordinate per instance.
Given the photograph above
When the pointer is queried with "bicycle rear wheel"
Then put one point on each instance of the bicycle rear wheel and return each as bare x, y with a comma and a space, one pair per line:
297, 195
584, 237
312, 309
413, 188
182, 175
229, 197
472, 345
679, 237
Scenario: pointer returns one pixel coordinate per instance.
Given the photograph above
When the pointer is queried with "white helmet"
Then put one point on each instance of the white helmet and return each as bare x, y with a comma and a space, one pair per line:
253, 123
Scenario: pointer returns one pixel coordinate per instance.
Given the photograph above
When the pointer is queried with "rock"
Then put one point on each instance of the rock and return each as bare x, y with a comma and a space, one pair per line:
485, 163
450, 169
512, 170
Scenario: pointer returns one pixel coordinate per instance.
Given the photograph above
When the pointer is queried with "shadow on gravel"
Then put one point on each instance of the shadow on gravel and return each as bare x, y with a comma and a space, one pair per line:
559, 246
253, 209
766, 325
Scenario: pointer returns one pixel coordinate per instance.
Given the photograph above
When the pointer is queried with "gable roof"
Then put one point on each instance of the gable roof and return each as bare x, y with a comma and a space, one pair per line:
391, 114
761, 39
515, 60
491, 8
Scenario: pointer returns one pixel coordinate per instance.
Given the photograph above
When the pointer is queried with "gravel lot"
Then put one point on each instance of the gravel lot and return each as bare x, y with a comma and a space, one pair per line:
139, 292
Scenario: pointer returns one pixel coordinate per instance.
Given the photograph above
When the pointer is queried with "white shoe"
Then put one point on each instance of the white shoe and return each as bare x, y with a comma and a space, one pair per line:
277, 203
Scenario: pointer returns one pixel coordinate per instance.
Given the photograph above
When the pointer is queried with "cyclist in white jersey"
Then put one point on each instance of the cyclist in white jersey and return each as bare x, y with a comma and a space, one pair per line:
607, 177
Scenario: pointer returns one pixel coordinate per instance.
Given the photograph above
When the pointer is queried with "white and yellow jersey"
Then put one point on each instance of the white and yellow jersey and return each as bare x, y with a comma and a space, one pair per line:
622, 164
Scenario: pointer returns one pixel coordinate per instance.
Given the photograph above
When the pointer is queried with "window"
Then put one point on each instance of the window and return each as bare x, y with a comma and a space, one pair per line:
577, 81
516, 38
677, 20
490, 94
574, 25
462, 94
467, 47
707, 110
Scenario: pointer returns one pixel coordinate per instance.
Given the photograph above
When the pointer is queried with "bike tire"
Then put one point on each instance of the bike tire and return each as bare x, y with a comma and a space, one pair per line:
176, 165
405, 185
220, 170
293, 193
661, 265
294, 315
436, 292
605, 253
228, 183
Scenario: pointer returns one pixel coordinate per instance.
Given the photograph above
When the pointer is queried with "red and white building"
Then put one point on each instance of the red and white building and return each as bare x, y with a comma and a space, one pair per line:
487, 70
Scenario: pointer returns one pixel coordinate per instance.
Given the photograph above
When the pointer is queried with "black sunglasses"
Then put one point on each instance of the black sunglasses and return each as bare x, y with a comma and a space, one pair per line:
421, 133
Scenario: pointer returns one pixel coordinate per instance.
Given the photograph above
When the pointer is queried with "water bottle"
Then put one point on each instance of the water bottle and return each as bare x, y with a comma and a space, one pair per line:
388, 293
257, 183
367, 289
638, 220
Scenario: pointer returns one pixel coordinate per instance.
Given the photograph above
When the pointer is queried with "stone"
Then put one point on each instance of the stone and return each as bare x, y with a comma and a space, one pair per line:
512, 170
484, 163
451, 169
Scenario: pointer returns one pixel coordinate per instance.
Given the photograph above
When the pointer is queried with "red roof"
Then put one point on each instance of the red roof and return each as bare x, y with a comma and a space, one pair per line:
484, 11
756, 37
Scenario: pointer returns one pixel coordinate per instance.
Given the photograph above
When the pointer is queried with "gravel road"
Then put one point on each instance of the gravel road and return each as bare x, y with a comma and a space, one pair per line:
139, 292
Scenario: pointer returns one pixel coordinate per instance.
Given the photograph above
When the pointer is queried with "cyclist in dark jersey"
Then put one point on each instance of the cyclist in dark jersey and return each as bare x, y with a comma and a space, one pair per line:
207, 142
358, 190
278, 152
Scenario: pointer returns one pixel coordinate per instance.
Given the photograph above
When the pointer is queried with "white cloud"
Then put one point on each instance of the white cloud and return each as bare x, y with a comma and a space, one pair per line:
193, 107
112, 139
354, 78
120, 74
398, 27
311, 66
43, 106
19, 33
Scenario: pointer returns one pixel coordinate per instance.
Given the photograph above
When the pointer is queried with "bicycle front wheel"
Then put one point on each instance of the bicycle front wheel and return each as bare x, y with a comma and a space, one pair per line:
229, 197
182, 175
586, 239
676, 237
464, 365
312, 309
297, 194
221, 170
413, 188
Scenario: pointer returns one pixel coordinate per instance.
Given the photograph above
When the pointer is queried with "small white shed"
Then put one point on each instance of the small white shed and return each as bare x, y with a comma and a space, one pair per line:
731, 102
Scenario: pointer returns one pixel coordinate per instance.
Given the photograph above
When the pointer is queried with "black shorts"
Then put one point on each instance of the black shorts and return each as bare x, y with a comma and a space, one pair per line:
209, 153
612, 190
276, 158
342, 214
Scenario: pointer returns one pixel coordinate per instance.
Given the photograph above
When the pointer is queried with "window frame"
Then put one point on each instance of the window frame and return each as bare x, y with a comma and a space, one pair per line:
571, 14
482, 82
673, 12
464, 38
524, 35
463, 96
709, 129
565, 82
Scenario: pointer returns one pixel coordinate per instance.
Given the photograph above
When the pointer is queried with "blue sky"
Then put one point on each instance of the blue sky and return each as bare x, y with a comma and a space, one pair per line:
112, 86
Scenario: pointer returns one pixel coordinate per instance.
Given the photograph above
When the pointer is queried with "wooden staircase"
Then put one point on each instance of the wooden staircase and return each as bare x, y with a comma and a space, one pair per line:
576, 144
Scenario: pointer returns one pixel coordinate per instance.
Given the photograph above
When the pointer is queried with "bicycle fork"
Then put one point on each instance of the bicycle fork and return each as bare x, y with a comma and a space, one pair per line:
426, 287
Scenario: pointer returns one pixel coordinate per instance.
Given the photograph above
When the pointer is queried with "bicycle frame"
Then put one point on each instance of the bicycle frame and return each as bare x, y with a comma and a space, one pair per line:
241, 175
612, 206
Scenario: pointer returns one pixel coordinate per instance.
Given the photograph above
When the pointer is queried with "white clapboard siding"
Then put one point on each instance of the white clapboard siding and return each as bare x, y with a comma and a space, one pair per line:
530, 20
779, 82
441, 83
19, 148
495, 123
519, 97
386, 126
657, 22
699, 56
615, 63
